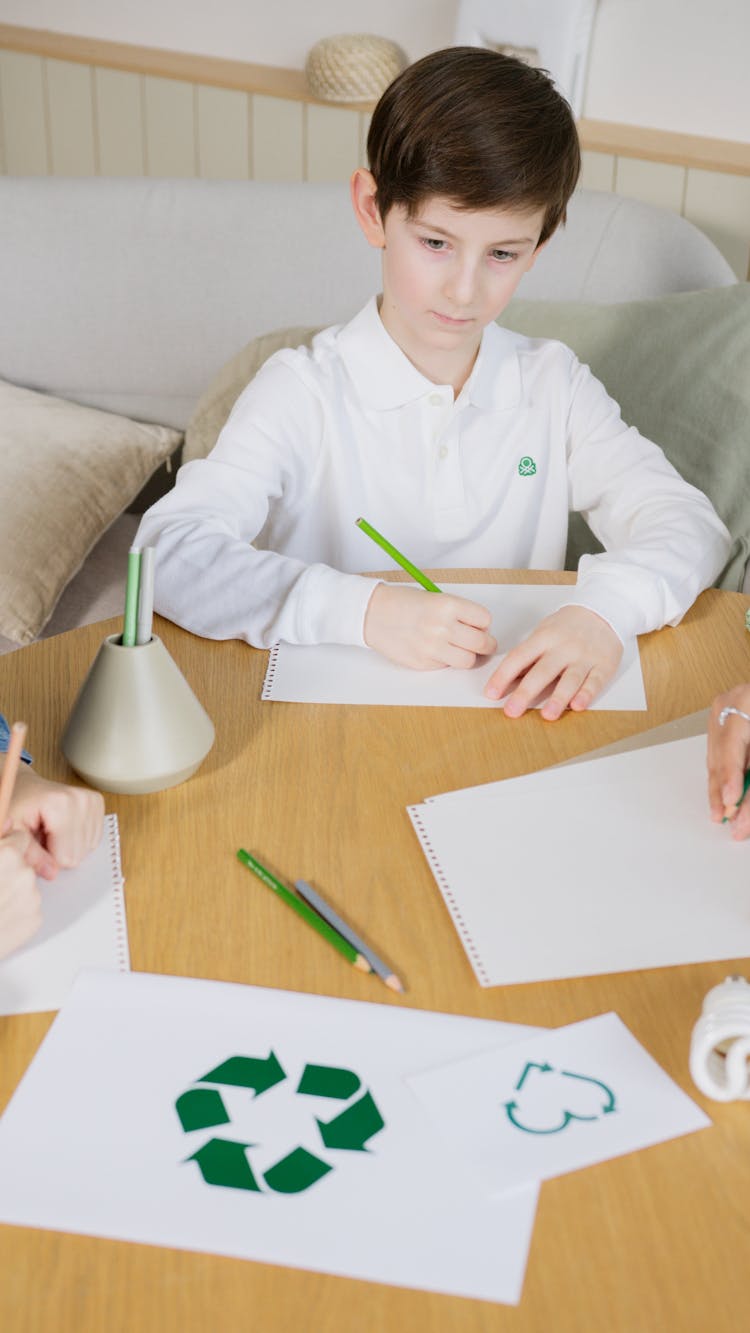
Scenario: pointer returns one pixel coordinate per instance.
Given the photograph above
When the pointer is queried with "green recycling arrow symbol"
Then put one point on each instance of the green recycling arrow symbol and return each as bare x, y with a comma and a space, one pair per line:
511, 1106
224, 1162
242, 1071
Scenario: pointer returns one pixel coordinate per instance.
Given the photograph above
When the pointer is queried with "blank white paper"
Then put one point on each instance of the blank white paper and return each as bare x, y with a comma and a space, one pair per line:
603, 866
116, 1160
83, 925
339, 674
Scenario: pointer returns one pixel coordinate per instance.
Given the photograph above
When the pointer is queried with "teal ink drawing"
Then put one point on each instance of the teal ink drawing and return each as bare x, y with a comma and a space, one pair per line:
526, 466
564, 1117
225, 1162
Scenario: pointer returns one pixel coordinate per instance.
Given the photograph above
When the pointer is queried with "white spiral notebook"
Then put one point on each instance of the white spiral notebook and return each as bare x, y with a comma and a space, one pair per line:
608, 865
83, 925
334, 673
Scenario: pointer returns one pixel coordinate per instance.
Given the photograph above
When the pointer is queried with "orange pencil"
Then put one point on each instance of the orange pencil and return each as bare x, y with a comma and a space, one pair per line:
10, 768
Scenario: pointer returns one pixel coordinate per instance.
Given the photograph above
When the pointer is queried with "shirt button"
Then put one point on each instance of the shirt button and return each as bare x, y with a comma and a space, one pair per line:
443, 451
435, 400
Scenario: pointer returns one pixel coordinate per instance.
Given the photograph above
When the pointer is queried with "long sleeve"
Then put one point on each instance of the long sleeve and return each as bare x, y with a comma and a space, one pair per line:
212, 573
664, 541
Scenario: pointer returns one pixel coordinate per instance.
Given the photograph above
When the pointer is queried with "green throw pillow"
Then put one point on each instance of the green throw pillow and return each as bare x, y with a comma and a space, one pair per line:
679, 367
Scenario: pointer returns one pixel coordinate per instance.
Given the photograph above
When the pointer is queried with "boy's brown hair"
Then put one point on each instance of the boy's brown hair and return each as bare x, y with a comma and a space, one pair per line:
481, 129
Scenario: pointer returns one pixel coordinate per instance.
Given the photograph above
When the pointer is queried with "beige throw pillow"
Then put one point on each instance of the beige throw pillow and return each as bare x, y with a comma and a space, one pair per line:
66, 473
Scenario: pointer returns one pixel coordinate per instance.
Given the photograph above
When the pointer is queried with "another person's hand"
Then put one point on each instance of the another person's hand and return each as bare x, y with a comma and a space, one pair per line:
728, 760
426, 630
574, 650
65, 822
20, 900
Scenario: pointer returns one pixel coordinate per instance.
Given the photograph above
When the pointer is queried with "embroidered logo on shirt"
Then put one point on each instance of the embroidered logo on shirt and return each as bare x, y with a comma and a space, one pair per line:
526, 467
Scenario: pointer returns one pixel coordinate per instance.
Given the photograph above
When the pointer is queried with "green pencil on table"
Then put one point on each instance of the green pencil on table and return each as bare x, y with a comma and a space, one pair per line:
301, 908
396, 555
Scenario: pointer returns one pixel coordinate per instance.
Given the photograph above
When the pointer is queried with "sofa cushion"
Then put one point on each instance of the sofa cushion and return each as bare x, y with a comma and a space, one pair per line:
678, 366
215, 404
66, 472
680, 369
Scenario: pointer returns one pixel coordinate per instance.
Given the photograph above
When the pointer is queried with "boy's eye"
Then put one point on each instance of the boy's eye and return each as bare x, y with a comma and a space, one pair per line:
503, 255
432, 242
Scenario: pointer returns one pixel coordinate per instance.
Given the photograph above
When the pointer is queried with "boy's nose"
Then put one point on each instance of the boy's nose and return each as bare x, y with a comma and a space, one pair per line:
461, 285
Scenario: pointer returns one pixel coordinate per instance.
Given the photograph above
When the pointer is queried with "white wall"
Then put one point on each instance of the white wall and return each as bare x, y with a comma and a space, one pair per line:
671, 64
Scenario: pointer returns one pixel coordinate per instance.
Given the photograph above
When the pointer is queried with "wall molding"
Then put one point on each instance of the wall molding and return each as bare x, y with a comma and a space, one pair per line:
686, 150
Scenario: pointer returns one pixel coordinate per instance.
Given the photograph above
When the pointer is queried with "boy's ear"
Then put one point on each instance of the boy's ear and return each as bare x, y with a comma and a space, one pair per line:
364, 202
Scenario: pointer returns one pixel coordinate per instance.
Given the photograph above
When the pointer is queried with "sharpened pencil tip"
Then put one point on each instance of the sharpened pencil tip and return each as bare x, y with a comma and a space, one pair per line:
394, 983
362, 964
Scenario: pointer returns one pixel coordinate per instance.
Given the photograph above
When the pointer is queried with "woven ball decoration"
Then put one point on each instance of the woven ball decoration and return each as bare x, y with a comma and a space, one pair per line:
353, 68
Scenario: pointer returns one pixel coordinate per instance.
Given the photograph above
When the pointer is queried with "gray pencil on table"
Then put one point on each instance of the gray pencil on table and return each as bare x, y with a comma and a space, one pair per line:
146, 597
323, 909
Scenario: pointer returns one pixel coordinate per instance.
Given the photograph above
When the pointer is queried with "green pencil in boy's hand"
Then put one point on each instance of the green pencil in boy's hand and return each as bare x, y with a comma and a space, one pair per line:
301, 908
397, 556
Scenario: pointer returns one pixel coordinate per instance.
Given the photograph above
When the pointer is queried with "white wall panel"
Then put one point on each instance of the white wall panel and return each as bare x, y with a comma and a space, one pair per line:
118, 106
23, 95
171, 148
71, 118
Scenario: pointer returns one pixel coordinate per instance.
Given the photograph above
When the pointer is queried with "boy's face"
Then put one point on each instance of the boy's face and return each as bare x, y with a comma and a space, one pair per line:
447, 273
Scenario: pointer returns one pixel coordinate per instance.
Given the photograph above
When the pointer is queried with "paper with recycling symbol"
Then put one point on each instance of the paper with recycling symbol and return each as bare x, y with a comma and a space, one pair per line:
228, 1162
553, 1103
260, 1124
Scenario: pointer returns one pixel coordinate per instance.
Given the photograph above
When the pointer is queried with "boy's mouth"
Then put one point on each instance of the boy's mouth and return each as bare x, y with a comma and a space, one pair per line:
450, 320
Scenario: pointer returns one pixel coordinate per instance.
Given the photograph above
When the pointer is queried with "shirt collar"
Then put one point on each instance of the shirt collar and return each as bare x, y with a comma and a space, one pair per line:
385, 377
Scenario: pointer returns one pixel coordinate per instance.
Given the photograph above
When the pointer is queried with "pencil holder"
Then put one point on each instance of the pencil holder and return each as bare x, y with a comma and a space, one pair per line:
136, 725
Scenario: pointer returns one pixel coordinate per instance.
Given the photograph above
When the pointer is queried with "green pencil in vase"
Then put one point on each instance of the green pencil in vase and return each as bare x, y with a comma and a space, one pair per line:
307, 913
129, 630
396, 555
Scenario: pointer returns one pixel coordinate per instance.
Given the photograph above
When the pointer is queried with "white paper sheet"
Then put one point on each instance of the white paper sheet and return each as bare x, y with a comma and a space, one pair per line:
83, 925
555, 1102
336, 674
114, 1159
604, 866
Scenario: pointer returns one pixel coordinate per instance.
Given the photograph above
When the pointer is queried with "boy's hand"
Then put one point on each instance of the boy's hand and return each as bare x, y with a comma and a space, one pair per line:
20, 900
728, 758
574, 649
65, 823
426, 630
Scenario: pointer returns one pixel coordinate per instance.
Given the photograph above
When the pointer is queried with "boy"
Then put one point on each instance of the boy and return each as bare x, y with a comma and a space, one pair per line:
462, 442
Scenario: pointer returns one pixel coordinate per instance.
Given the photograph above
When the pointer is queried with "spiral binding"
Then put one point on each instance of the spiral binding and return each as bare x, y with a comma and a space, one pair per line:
273, 658
122, 949
445, 889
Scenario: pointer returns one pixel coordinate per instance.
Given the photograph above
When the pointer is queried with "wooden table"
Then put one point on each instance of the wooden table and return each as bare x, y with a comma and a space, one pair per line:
655, 1242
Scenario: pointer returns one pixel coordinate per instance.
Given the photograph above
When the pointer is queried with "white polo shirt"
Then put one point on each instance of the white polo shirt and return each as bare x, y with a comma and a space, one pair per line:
259, 542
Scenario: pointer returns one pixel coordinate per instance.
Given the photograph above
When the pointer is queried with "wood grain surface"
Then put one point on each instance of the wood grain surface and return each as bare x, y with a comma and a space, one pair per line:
655, 1242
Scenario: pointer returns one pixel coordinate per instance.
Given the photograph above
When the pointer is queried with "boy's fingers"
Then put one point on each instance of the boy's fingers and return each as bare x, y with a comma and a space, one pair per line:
566, 690
590, 689
511, 669
476, 641
532, 687
472, 613
460, 658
